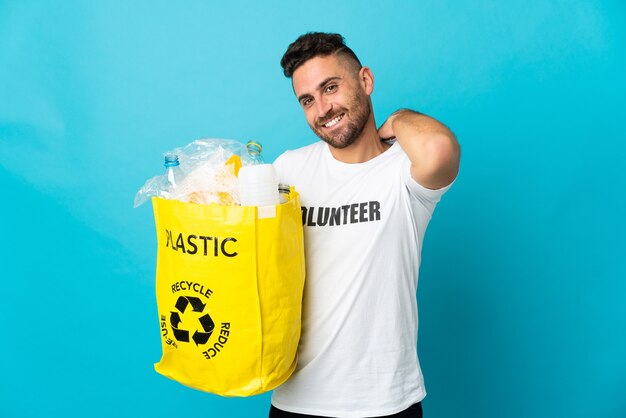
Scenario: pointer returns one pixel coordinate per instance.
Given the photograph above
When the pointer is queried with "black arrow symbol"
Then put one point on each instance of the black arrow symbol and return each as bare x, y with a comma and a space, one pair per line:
175, 319
181, 334
207, 323
201, 337
181, 304
197, 304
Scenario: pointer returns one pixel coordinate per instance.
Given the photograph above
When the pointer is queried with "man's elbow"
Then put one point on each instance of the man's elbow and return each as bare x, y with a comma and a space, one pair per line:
441, 163
444, 152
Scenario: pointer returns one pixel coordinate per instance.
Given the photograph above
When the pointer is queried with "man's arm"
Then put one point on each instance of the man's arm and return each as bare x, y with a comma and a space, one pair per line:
432, 148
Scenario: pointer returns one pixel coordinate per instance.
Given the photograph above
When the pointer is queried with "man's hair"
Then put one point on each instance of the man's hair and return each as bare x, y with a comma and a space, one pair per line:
314, 44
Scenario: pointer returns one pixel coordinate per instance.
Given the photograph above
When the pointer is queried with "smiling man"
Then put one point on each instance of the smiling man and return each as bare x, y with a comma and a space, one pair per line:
367, 197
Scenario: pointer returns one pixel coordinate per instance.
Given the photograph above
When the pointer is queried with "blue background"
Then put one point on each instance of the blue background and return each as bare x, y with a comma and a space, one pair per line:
522, 285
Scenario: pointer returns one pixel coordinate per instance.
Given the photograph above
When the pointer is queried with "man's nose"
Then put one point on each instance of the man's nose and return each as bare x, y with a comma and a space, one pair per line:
323, 107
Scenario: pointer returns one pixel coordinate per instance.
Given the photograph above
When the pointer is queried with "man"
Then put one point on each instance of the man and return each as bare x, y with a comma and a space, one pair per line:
366, 203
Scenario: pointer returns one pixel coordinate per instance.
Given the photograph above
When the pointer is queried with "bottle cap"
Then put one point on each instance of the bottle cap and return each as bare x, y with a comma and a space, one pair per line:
171, 160
254, 147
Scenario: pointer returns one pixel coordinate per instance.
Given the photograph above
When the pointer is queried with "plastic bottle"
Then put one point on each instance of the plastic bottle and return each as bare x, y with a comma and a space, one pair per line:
253, 155
283, 192
258, 182
173, 173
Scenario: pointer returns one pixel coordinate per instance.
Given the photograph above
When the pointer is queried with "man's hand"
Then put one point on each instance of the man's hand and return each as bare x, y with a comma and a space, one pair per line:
385, 132
432, 148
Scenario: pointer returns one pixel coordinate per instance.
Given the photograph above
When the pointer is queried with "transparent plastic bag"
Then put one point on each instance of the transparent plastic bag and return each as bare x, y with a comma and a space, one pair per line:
209, 170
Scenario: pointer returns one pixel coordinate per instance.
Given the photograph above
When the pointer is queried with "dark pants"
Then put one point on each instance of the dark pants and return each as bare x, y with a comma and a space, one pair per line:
414, 411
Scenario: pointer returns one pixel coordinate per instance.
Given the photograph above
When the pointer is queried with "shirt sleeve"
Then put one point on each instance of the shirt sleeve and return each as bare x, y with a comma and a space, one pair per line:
428, 198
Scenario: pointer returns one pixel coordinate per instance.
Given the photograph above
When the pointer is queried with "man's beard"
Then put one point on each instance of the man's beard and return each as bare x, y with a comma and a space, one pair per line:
359, 113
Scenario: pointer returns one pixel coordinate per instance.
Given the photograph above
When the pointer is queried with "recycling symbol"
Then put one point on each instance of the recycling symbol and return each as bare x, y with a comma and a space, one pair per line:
201, 335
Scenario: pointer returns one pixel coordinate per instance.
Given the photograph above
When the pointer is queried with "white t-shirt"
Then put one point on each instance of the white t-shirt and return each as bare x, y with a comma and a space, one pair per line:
363, 229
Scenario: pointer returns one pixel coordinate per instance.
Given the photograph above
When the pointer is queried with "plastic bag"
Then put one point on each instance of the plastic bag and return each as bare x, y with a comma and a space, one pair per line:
209, 169
229, 286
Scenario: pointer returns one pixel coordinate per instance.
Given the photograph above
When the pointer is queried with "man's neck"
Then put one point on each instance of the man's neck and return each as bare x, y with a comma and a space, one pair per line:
367, 146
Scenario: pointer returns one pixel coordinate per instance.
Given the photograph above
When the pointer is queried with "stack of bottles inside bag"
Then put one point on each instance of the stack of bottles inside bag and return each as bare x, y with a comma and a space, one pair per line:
215, 171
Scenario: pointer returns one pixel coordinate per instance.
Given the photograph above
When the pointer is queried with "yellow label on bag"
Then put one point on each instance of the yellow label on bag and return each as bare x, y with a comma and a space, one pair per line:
229, 290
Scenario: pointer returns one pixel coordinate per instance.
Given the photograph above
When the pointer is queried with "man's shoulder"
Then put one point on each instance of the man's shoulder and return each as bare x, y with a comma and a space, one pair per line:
294, 165
300, 154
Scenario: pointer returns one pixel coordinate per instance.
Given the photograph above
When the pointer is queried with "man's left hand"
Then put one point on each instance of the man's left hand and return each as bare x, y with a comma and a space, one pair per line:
385, 132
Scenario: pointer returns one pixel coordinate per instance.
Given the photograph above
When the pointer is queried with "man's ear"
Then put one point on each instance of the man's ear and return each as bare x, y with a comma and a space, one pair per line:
366, 79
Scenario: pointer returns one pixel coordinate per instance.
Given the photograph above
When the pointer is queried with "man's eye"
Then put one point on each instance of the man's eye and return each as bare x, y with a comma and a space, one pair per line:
306, 102
331, 88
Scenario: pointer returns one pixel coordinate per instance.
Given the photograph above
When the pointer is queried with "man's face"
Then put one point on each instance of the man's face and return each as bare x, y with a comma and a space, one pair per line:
335, 104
